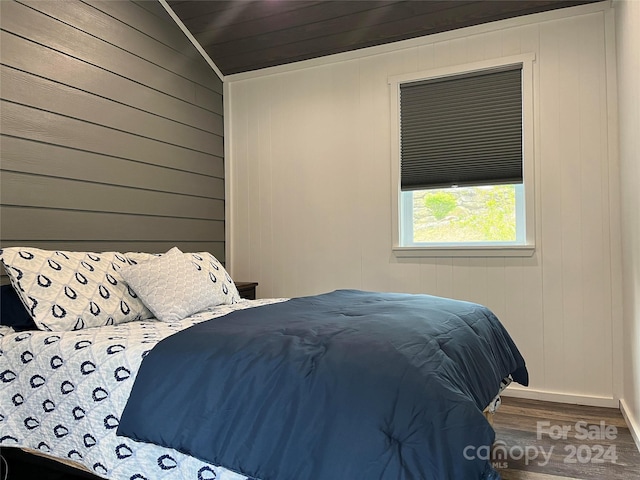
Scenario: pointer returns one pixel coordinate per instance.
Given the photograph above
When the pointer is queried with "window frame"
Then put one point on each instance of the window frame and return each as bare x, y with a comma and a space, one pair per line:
525, 249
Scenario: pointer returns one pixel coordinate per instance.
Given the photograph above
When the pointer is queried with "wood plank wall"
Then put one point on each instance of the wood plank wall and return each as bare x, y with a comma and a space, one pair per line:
111, 130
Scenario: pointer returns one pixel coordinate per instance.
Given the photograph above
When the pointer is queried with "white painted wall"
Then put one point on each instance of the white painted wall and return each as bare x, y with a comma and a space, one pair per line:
308, 149
628, 50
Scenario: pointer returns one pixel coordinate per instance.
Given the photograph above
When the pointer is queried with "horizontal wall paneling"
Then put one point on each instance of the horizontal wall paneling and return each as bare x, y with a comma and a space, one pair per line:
69, 225
34, 91
28, 156
47, 63
97, 21
32, 123
112, 131
29, 23
49, 192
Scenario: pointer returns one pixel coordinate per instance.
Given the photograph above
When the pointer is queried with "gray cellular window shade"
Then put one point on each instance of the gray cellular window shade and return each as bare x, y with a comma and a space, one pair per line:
464, 130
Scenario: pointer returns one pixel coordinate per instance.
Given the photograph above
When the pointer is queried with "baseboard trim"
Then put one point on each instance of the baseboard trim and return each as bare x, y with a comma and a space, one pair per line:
633, 425
530, 394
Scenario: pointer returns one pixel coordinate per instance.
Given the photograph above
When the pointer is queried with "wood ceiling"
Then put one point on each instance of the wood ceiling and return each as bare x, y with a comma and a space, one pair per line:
245, 35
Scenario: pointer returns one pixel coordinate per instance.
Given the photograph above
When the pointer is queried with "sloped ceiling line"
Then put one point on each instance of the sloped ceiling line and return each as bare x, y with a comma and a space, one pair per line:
192, 39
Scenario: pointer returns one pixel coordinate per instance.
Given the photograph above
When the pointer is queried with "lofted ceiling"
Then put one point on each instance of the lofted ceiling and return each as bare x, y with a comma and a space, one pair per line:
245, 35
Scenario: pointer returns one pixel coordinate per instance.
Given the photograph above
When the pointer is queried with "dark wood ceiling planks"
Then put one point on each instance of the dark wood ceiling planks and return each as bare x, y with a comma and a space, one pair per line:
245, 35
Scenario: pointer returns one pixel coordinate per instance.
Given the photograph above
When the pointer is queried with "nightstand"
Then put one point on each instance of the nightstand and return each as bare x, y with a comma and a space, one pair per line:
247, 289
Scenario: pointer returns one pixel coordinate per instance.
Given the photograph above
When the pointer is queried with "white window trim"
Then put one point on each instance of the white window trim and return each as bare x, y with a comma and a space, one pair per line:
467, 250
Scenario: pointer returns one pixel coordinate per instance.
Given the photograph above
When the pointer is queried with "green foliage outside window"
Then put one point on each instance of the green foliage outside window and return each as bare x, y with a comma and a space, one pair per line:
440, 203
468, 214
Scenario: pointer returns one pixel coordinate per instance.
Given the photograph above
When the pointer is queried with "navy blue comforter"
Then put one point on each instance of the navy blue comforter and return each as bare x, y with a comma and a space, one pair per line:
348, 385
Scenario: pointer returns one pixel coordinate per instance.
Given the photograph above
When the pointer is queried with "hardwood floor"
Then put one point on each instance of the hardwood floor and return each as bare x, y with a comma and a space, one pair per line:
556, 441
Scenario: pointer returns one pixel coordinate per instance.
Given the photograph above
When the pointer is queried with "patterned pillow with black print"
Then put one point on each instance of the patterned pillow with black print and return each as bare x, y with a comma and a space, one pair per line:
64, 290
136, 258
224, 287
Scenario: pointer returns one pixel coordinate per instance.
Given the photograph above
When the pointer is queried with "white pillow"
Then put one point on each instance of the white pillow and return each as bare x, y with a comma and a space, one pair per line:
177, 285
65, 290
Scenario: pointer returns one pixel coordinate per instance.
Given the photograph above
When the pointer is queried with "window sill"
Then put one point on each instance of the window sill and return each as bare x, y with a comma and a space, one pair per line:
465, 251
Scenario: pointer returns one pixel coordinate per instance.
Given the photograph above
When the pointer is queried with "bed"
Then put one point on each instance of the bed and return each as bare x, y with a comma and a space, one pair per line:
133, 366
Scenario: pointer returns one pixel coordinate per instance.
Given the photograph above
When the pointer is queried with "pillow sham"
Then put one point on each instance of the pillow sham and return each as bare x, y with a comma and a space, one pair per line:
225, 289
175, 285
12, 311
140, 257
64, 290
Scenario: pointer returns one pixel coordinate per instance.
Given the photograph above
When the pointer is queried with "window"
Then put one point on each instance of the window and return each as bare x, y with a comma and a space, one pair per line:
463, 160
